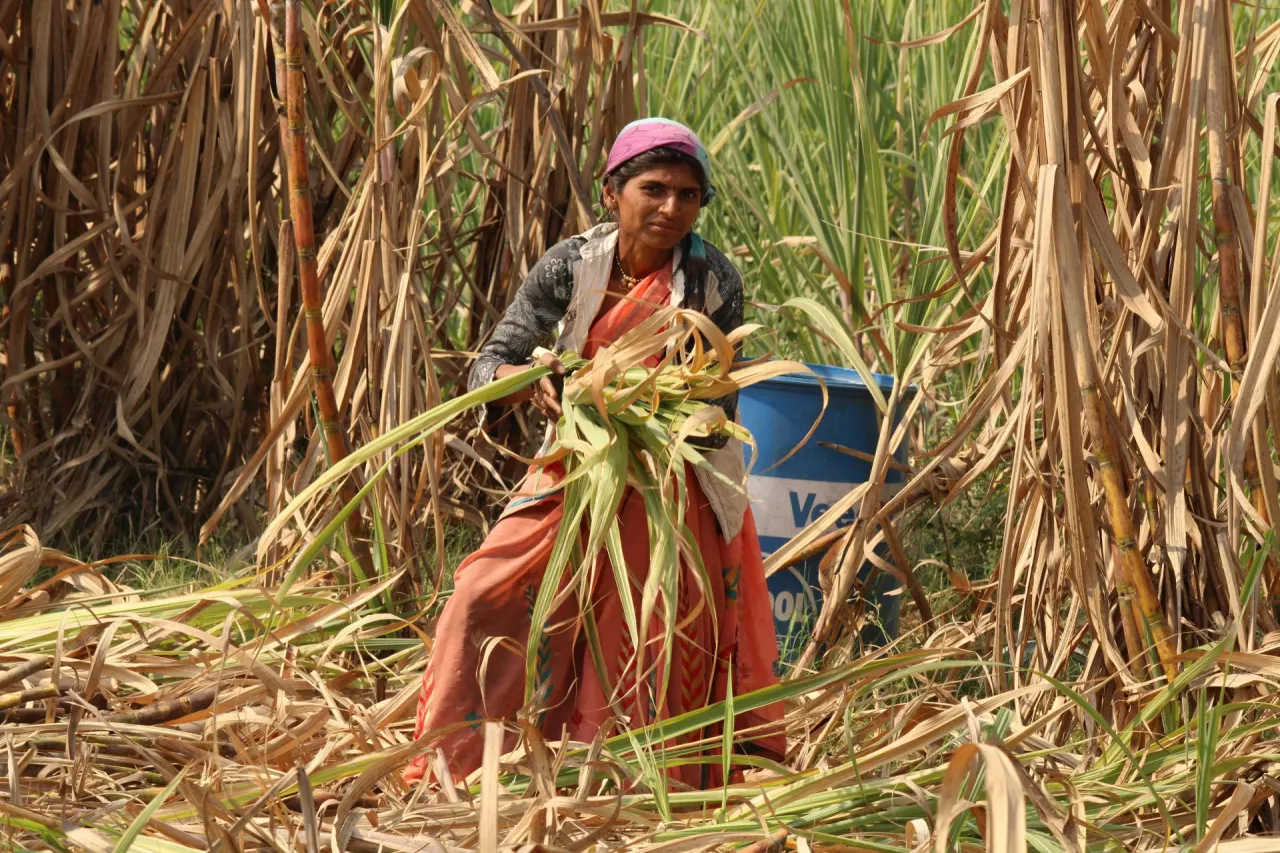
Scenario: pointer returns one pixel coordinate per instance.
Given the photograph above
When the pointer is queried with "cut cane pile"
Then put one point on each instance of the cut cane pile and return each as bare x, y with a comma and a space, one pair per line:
241, 717
274, 713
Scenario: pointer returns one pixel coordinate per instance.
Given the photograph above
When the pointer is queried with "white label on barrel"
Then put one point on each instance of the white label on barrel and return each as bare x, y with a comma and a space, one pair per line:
789, 604
783, 507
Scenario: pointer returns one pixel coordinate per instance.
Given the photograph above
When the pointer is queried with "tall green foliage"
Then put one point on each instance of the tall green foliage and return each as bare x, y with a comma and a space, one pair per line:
833, 175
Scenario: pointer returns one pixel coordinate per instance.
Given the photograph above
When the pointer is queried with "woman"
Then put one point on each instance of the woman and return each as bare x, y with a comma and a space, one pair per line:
596, 286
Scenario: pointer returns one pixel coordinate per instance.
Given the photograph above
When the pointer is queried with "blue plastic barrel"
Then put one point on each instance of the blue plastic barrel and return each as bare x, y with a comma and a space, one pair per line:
786, 498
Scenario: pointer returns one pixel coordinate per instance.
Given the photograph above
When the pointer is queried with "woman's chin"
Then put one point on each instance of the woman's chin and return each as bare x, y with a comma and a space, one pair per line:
661, 238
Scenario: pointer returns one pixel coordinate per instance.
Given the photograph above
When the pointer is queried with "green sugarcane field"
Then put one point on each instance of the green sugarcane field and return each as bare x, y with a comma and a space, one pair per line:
639, 426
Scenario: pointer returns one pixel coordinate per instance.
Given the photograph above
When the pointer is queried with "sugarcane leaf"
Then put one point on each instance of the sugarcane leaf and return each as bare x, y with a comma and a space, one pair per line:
1119, 742
623, 581
726, 739
416, 430
1171, 692
551, 589
834, 330
608, 476
140, 822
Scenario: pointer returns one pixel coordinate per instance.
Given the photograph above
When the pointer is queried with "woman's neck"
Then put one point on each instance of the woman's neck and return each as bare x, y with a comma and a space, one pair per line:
639, 260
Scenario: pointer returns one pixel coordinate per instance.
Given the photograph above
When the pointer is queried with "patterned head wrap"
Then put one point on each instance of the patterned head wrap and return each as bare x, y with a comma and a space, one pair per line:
647, 134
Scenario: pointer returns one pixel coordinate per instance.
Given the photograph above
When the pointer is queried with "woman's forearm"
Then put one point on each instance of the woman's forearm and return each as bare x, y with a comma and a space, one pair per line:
524, 394
544, 393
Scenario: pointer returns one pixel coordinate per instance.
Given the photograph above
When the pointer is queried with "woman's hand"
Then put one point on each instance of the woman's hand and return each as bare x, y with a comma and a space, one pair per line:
546, 398
542, 393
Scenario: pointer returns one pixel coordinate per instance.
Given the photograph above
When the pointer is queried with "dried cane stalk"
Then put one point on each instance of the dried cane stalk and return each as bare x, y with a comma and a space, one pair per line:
22, 697
308, 276
1133, 578
13, 675
168, 710
1222, 154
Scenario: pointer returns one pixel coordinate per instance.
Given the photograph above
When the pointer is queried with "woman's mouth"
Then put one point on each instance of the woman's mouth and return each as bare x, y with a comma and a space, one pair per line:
665, 227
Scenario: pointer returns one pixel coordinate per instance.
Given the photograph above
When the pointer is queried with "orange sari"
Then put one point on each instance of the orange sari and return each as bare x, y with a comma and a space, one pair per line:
495, 588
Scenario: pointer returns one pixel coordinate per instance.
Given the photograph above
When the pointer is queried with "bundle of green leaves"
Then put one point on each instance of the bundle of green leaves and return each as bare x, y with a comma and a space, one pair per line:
624, 426
630, 426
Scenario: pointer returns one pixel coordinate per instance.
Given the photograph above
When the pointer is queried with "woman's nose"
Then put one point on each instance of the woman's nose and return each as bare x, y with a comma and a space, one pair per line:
671, 204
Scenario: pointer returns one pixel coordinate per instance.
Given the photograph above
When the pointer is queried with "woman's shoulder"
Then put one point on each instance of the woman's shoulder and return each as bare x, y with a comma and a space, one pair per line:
553, 273
719, 264
567, 252
724, 291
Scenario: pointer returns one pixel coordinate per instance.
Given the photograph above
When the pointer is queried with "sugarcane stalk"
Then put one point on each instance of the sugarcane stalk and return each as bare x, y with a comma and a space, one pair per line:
25, 716
26, 669
102, 744
1130, 617
7, 808
1228, 255
22, 697
1132, 567
773, 843
168, 710
1133, 572
127, 748
300, 210
1234, 338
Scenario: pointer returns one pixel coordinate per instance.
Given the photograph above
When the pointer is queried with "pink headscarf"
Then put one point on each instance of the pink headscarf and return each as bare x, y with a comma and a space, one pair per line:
647, 134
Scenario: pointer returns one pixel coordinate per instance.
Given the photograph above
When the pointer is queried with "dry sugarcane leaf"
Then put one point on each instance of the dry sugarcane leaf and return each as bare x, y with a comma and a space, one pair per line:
980, 100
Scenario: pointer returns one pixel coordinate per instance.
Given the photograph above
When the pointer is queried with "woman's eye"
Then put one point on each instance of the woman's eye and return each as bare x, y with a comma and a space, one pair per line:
689, 194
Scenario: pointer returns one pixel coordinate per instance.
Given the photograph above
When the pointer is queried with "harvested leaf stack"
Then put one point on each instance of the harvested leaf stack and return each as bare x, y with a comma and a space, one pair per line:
624, 426
630, 426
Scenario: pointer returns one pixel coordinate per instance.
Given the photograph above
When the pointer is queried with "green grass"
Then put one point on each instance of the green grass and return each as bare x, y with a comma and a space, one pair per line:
156, 566
173, 566
169, 570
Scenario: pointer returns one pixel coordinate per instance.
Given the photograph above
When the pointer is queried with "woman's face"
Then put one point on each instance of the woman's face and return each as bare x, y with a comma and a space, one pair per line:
658, 207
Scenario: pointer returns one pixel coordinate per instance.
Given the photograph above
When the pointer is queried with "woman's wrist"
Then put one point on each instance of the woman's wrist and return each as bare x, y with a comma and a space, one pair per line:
505, 370
502, 372
543, 392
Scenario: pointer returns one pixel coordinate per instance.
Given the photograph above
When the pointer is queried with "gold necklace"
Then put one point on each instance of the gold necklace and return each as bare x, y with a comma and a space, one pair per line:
629, 280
